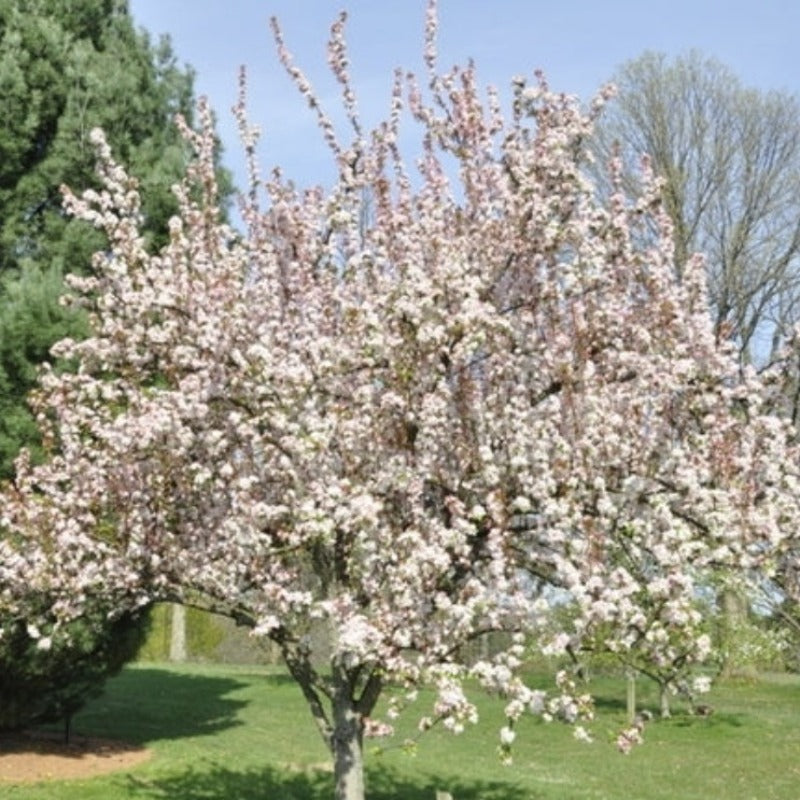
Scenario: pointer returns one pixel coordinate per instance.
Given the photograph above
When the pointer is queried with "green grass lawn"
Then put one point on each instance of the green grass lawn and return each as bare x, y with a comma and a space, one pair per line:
222, 733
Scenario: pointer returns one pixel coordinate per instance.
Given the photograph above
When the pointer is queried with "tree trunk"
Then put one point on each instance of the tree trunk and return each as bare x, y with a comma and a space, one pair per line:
339, 705
664, 691
177, 633
347, 744
631, 695
734, 616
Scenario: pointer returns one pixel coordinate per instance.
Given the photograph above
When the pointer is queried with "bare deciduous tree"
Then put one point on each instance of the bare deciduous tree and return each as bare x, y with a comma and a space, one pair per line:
730, 159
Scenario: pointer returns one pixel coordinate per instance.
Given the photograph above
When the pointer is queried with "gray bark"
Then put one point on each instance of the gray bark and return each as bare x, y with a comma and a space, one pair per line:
347, 744
631, 695
339, 705
734, 608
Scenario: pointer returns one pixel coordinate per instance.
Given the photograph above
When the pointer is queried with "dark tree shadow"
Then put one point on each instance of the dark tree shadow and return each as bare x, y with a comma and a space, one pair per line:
219, 783
144, 705
610, 704
277, 679
716, 720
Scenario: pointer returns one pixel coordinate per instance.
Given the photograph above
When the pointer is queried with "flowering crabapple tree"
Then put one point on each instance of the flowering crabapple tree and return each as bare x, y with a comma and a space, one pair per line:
779, 589
398, 409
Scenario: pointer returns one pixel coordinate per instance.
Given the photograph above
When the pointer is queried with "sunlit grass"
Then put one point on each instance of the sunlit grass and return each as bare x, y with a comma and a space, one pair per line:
222, 733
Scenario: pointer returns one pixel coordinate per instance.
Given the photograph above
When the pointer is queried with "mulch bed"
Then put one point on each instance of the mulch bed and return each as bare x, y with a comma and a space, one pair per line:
32, 756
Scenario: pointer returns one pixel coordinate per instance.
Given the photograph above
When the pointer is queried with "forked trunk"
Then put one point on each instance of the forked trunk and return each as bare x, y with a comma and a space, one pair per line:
352, 694
348, 753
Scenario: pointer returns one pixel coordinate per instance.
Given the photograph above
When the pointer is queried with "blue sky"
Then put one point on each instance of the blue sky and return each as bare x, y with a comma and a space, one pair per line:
578, 44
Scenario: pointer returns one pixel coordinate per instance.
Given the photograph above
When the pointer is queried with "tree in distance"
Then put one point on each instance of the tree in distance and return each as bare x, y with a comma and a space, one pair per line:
729, 156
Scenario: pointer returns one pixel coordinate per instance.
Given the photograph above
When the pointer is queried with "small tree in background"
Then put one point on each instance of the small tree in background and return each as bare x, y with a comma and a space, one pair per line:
402, 425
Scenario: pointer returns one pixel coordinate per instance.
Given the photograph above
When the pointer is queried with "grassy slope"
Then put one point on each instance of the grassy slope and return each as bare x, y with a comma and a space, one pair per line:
244, 734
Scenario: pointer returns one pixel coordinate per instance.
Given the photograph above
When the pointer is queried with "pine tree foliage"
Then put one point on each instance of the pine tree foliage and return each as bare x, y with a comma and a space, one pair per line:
67, 66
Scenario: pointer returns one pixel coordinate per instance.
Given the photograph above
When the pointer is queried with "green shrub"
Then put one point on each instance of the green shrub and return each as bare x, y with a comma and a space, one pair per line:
47, 679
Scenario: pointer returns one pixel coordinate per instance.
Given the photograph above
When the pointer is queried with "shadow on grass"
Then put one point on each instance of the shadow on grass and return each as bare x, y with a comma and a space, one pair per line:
149, 704
274, 679
611, 705
717, 720
219, 783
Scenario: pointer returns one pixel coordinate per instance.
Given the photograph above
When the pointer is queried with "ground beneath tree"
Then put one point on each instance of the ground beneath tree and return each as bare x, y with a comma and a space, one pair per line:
38, 756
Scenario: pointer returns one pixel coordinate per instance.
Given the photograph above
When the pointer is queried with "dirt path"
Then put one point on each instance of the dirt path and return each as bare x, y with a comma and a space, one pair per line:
30, 757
